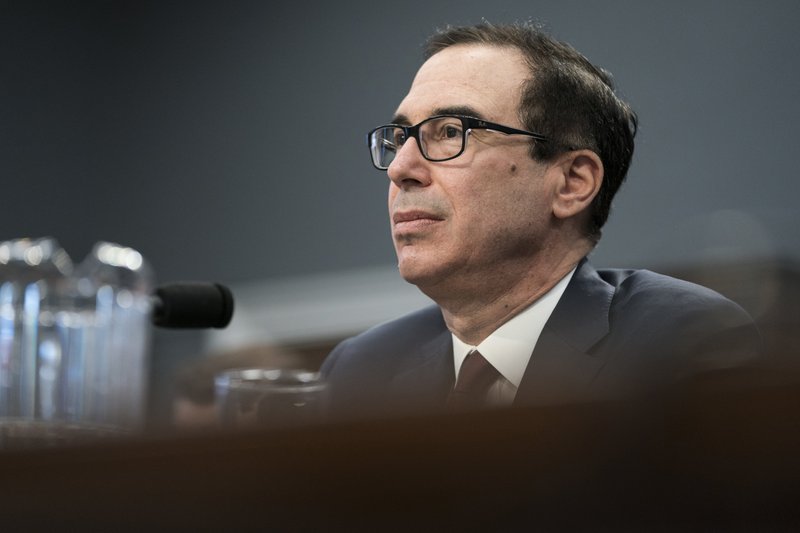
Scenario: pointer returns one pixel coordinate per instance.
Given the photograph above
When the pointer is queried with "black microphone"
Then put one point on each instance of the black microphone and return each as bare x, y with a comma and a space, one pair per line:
192, 305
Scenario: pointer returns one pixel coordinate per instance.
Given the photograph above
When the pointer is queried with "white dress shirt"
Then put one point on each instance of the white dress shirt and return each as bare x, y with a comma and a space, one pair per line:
510, 346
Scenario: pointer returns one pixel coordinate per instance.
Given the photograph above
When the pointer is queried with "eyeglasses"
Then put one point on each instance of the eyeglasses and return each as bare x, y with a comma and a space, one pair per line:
440, 138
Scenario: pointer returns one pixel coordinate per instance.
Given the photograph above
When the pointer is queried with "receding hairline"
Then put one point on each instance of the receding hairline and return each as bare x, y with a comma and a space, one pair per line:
512, 47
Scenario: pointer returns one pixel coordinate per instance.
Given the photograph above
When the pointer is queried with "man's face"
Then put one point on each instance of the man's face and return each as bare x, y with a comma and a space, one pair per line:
480, 217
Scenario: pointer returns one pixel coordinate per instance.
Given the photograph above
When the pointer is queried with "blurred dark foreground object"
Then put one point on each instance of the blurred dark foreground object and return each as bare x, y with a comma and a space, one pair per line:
725, 457
25, 434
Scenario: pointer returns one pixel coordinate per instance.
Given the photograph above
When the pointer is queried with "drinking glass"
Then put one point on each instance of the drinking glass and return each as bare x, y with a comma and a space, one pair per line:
269, 397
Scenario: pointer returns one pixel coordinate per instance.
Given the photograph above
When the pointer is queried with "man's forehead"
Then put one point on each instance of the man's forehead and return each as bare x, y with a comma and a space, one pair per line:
485, 80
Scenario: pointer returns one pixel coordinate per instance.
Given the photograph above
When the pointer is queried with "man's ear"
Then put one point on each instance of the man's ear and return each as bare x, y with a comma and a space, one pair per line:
578, 180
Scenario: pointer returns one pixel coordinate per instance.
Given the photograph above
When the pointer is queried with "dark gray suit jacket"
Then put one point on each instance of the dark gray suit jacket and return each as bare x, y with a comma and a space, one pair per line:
614, 333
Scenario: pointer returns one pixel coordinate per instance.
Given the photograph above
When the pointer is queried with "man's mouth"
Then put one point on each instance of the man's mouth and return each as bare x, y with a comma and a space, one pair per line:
410, 216
414, 220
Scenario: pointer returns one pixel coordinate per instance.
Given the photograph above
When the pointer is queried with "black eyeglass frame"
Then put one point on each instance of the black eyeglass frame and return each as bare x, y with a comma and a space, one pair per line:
467, 123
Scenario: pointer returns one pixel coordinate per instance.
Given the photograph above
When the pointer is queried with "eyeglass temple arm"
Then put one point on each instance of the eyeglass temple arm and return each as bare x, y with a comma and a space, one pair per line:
507, 130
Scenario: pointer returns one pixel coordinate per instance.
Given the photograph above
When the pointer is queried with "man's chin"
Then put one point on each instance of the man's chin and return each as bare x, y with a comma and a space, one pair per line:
419, 274
411, 275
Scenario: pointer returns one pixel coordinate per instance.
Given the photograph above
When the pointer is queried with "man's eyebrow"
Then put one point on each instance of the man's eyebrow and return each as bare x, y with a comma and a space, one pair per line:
458, 110
403, 120
400, 119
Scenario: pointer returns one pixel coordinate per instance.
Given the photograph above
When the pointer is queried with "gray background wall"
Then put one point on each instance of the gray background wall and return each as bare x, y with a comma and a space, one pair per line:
225, 140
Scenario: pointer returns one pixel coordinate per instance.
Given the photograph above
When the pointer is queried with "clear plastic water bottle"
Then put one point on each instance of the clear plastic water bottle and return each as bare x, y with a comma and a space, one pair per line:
110, 338
33, 280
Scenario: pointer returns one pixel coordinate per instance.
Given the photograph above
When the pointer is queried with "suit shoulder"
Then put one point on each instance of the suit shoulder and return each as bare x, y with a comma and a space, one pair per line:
653, 296
396, 336
418, 324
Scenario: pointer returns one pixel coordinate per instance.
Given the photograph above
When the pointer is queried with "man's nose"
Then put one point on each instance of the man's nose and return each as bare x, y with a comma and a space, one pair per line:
409, 168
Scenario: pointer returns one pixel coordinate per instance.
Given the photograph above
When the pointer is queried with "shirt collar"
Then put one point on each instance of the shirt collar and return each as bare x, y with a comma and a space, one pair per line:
510, 346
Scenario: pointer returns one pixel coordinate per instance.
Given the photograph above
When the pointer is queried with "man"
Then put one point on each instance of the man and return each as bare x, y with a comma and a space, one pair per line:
503, 159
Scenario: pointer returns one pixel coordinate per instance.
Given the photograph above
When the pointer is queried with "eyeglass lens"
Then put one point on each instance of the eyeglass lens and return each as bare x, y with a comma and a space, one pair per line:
439, 138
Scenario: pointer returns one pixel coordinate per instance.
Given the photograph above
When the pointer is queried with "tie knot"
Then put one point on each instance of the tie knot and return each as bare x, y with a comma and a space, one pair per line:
475, 378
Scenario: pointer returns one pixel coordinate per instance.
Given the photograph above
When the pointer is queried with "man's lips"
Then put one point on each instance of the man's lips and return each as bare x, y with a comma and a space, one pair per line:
407, 220
408, 216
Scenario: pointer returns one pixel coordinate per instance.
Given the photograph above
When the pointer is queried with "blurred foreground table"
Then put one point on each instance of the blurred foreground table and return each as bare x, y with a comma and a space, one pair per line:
721, 461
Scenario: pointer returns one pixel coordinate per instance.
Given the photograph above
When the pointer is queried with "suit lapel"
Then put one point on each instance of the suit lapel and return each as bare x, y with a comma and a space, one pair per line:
429, 374
561, 367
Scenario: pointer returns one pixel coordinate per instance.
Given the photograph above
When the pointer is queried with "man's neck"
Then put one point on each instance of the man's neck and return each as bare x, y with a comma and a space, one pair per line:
474, 314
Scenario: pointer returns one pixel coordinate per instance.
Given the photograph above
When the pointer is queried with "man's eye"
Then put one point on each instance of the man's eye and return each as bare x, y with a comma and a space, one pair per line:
399, 138
448, 131
451, 132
